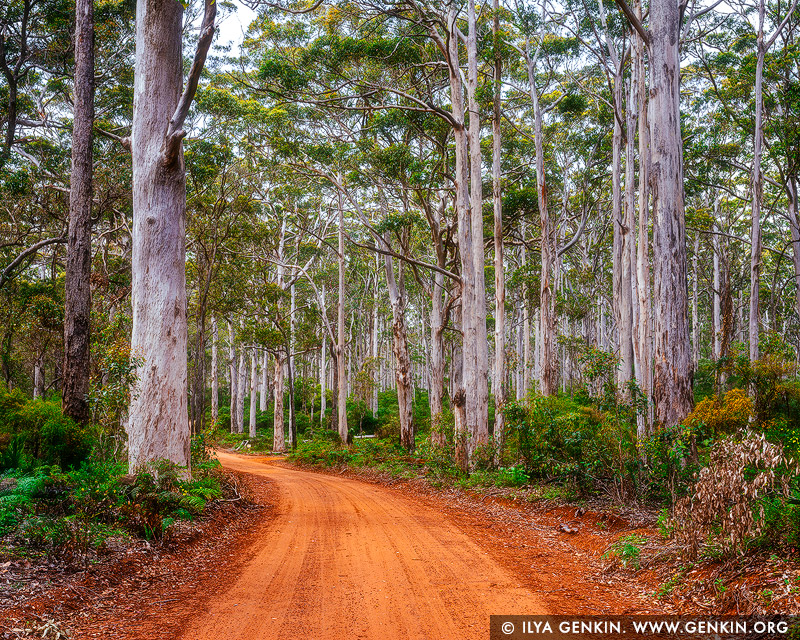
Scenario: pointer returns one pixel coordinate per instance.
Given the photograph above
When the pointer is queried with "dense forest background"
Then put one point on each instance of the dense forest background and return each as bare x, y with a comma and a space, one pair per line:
560, 240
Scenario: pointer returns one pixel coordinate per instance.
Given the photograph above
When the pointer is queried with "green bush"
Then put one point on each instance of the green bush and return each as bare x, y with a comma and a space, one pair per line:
68, 513
323, 448
555, 438
35, 432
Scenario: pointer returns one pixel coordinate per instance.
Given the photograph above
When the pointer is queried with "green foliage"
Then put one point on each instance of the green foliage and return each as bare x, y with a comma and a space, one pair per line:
157, 496
325, 448
555, 438
512, 477
110, 389
627, 550
35, 432
70, 513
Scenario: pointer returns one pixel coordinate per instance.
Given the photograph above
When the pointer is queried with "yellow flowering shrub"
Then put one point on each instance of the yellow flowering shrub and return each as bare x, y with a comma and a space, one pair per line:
728, 416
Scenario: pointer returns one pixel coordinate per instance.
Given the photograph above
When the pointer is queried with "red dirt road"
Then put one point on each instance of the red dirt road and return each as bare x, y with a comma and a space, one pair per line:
346, 559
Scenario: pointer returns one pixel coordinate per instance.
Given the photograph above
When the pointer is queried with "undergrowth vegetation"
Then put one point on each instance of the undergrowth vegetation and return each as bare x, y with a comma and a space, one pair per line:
725, 482
64, 494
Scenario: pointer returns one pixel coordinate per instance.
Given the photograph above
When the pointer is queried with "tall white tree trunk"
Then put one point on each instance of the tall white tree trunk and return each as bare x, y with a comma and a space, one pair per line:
672, 391
340, 347
478, 397
158, 425
278, 438
528, 359
437, 361
234, 375
214, 371
253, 392
241, 387
403, 374
548, 362
500, 391
263, 397
755, 228
644, 336
794, 225
323, 368
38, 376
520, 349
292, 372
374, 348
695, 306
716, 317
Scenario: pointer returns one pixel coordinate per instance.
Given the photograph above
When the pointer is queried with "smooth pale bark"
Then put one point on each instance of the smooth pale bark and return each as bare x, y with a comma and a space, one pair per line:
468, 354
794, 225
263, 398
644, 335
403, 374
214, 371
38, 376
241, 387
253, 392
621, 266
77, 288
197, 387
629, 263
695, 306
529, 359
435, 397
716, 324
458, 401
234, 376
548, 361
374, 346
672, 390
158, 425
758, 188
500, 391
341, 371
323, 368
291, 369
518, 374
477, 381
278, 436
475, 406
621, 255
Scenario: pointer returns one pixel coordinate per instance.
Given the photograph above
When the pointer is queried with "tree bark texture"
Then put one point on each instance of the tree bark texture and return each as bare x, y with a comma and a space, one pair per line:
672, 390
340, 346
159, 424
499, 386
403, 376
278, 437
214, 371
234, 376
253, 393
77, 288
758, 189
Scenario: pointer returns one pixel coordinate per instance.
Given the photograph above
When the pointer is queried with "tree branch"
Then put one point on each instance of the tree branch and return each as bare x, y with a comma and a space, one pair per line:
635, 22
175, 132
5, 275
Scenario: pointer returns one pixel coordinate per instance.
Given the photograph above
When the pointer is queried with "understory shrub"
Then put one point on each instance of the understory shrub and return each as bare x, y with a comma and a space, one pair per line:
35, 432
729, 503
68, 513
555, 438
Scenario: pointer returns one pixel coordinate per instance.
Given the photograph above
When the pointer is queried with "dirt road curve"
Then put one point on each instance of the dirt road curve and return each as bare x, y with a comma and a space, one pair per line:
345, 559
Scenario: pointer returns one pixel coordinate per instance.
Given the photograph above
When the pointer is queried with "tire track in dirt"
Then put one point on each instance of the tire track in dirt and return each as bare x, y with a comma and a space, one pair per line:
345, 559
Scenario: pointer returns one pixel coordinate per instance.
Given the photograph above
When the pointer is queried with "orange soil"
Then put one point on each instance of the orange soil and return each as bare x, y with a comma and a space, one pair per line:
332, 557
346, 559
